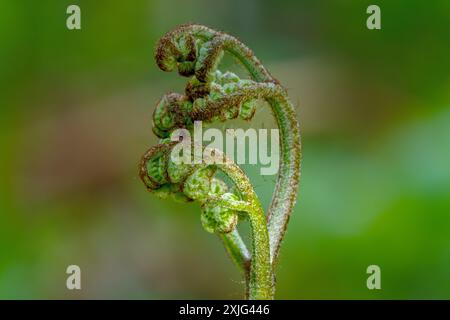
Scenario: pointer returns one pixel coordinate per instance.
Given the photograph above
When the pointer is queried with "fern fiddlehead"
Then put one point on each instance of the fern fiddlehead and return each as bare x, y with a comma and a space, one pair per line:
211, 95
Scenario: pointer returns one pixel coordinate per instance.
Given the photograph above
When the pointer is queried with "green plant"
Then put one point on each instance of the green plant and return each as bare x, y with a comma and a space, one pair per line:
211, 95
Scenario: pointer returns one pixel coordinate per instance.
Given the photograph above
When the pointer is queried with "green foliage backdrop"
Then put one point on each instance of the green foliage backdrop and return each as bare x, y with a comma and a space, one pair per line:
75, 117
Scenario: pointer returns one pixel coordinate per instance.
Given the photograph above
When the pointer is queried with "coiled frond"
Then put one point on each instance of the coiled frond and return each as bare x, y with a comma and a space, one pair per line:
211, 95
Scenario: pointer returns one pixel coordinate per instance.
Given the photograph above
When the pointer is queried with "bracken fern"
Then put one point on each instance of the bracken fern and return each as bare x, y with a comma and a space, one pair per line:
211, 95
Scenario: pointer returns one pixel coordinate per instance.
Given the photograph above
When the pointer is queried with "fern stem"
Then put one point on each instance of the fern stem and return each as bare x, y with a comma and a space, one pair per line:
237, 250
261, 279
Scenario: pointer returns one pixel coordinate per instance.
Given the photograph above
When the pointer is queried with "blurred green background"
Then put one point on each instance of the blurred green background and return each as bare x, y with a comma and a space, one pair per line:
76, 107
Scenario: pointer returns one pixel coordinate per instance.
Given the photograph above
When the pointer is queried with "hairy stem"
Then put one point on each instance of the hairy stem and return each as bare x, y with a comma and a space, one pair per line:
285, 194
261, 280
237, 250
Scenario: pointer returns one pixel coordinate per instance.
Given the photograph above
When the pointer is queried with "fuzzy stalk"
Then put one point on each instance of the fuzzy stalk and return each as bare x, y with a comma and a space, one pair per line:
237, 250
261, 280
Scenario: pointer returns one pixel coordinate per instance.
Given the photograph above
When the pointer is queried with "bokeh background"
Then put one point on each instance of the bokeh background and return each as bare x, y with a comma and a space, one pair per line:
76, 107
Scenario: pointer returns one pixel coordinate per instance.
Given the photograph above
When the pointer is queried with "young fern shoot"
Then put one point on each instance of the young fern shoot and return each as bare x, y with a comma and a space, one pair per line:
210, 95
